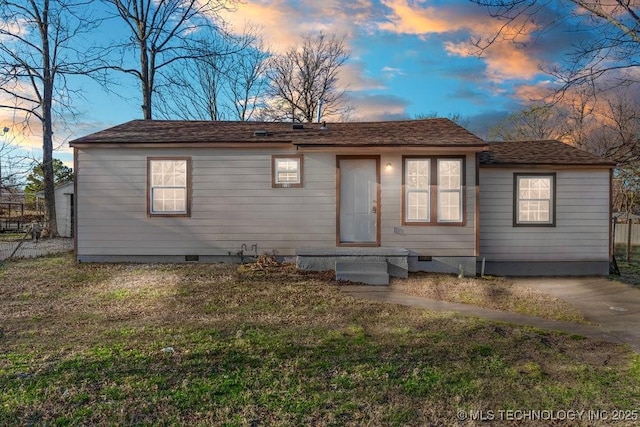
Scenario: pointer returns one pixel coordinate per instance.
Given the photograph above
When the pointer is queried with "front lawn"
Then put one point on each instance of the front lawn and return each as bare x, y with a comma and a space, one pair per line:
85, 344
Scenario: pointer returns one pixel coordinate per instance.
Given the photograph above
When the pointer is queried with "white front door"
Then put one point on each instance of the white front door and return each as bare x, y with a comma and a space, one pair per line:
359, 207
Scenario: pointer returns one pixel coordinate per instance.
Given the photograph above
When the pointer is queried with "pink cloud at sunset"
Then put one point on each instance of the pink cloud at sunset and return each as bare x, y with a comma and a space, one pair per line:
504, 59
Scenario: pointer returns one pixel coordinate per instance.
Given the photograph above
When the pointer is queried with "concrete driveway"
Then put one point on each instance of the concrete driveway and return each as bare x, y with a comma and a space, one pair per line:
613, 306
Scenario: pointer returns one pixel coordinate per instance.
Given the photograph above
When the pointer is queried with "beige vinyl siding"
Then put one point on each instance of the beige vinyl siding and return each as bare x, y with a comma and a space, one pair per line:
582, 219
233, 203
425, 240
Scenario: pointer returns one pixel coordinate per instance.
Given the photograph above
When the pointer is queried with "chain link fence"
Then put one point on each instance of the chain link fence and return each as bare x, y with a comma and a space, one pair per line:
24, 246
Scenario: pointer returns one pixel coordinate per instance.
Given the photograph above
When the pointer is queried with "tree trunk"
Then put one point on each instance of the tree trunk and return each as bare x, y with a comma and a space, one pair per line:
49, 178
47, 125
145, 81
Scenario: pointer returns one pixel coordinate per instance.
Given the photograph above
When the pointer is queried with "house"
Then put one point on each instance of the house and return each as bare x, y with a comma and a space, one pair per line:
418, 195
545, 209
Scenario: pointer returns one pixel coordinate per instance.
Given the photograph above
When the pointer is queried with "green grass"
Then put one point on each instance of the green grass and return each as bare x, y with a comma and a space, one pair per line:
85, 344
629, 270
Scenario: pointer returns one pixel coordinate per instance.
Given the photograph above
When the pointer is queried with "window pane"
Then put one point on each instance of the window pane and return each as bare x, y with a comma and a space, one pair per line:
449, 174
534, 211
169, 200
418, 206
287, 171
287, 177
449, 206
286, 164
417, 174
534, 188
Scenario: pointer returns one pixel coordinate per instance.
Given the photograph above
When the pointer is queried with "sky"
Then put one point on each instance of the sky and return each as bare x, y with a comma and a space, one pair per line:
408, 58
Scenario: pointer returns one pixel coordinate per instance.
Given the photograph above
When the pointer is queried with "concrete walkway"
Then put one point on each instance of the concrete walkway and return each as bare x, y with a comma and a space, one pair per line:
612, 307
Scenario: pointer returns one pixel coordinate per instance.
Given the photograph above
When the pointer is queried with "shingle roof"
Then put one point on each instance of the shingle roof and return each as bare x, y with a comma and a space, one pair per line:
430, 132
538, 153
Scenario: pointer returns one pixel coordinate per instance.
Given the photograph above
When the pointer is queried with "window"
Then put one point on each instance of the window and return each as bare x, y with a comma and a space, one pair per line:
286, 171
534, 200
417, 190
433, 190
169, 186
450, 190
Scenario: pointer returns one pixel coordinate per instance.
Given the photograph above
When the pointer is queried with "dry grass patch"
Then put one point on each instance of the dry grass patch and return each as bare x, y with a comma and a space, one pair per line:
192, 344
491, 292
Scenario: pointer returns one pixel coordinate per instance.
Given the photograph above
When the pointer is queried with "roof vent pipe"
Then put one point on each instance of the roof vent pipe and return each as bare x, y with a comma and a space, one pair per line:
319, 110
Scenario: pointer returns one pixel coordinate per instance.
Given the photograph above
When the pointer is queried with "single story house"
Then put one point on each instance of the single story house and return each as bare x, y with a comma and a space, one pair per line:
420, 195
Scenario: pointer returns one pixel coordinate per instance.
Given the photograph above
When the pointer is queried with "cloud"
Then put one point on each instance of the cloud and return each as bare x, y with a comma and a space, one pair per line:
378, 107
284, 21
355, 77
271, 17
412, 18
504, 59
534, 93
17, 26
392, 72
502, 63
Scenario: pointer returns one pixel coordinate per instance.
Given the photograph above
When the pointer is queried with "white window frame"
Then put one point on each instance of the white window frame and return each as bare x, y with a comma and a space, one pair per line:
418, 190
277, 162
177, 182
534, 198
435, 192
455, 190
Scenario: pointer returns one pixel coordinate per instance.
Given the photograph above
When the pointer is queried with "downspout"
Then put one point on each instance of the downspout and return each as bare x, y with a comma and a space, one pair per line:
319, 110
75, 201
477, 249
611, 248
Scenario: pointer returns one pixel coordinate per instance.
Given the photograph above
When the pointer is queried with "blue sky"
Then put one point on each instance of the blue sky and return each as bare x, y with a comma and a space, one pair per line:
408, 57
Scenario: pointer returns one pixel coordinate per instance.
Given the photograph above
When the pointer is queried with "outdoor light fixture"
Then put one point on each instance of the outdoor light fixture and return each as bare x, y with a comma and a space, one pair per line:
389, 166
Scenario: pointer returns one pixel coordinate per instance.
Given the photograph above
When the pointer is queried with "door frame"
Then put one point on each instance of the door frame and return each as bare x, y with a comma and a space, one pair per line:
378, 193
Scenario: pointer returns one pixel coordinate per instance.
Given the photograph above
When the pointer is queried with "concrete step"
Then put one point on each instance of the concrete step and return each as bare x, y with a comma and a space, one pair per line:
368, 272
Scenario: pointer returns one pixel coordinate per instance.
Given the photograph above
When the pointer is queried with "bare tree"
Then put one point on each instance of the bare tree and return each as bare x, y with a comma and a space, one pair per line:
193, 89
246, 79
457, 118
617, 136
15, 164
306, 77
608, 127
604, 57
37, 53
534, 123
161, 34
227, 84
626, 189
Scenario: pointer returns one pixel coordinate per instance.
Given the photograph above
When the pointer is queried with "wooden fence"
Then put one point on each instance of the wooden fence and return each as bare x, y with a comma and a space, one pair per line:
626, 233
622, 234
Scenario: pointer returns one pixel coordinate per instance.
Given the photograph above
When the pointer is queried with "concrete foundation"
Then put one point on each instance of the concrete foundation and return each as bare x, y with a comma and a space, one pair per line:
544, 268
324, 259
